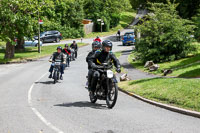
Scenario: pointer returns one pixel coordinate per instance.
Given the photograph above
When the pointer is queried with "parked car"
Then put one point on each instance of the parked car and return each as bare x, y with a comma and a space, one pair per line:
33, 43
128, 38
50, 36
28, 42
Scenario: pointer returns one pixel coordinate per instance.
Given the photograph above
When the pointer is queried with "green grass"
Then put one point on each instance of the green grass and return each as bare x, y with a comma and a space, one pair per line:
185, 68
184, 93
126, 18
118, 54
31, 53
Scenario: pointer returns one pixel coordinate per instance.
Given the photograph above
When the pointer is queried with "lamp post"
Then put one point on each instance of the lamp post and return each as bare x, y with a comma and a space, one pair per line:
39, 50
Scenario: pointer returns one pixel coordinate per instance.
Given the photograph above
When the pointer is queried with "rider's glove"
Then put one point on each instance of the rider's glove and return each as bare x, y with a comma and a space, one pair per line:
118, 70
97, 67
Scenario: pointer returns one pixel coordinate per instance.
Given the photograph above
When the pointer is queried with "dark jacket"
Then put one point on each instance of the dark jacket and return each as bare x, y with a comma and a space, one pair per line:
74, 46
58, 56
89, 56
103, 57
67, 51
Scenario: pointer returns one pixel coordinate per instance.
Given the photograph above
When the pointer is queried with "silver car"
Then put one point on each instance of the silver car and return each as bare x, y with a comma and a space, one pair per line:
31, 43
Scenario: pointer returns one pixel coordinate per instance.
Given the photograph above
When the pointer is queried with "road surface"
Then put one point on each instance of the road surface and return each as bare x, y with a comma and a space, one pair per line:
31, 103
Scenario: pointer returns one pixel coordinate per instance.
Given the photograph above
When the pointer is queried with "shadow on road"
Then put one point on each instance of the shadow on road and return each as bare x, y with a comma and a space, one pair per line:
45, 82
83, 104
113, 39
126, 52
127, 66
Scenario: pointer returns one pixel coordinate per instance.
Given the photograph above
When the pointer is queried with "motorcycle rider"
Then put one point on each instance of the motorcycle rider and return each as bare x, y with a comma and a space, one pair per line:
97, 39
67, 52
75, 47
118, 33
96, 46
100, 57
57, 56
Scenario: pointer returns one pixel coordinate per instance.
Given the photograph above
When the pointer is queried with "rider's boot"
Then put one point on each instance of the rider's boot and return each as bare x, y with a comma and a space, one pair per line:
50, 76
61, 77
91, 94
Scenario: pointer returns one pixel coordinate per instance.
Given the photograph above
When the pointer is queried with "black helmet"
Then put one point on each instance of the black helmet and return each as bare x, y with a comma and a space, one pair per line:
96, 44
59, 47
66, 45
107, 43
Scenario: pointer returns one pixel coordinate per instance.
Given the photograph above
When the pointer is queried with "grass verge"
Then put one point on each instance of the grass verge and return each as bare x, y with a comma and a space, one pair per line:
31, 53
184, 93
184, 68
125, 19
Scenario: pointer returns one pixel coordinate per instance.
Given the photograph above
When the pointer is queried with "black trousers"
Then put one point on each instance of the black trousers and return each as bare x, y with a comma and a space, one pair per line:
76, 53
95, 77
90, 74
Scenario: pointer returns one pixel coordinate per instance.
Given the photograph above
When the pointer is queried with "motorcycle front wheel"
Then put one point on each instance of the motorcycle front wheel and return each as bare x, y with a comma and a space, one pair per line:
93, 98
55, 77
112, 94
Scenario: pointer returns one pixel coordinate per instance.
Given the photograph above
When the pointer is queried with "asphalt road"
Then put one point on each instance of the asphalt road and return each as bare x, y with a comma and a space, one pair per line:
31, 103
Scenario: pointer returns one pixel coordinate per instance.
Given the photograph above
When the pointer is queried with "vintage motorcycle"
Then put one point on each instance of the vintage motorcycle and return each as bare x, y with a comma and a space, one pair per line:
106, 88
72, 57
56, 70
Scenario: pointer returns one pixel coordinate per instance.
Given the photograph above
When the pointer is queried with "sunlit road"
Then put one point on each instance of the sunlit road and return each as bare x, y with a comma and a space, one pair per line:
31, 103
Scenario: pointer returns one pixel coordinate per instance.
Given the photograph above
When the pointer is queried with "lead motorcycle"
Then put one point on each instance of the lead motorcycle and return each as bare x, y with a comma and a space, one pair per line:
106, 88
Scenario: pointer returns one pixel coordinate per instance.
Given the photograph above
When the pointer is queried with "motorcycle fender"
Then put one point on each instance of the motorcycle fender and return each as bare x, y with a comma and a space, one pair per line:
114, 80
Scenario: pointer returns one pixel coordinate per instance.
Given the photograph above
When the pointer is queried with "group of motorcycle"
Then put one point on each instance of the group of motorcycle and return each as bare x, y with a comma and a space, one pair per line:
106, 88
68, 56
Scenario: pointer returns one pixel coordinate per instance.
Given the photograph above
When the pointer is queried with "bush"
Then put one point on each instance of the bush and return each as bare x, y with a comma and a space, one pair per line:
66, 17
196, 20
165, 36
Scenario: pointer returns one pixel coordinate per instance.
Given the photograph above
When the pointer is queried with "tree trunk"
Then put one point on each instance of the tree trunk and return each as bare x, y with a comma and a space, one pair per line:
20, 44
10, 51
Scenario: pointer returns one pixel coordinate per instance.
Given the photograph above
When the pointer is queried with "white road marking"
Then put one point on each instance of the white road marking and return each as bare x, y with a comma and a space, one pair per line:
37, 113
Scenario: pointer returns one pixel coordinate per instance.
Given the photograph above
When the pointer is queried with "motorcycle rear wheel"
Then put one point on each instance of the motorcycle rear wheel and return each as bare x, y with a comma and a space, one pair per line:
111, 97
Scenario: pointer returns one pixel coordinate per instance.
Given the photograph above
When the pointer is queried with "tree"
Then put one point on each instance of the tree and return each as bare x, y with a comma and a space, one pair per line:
196, 20
66, 16
186, 9
16, 21
165, 36
105, 10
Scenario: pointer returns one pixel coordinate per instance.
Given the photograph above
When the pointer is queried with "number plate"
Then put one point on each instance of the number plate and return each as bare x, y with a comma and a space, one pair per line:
57, 63
110, 74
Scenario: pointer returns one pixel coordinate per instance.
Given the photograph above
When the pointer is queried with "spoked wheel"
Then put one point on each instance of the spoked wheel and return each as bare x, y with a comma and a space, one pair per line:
93, 98
112, 94
55, 77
